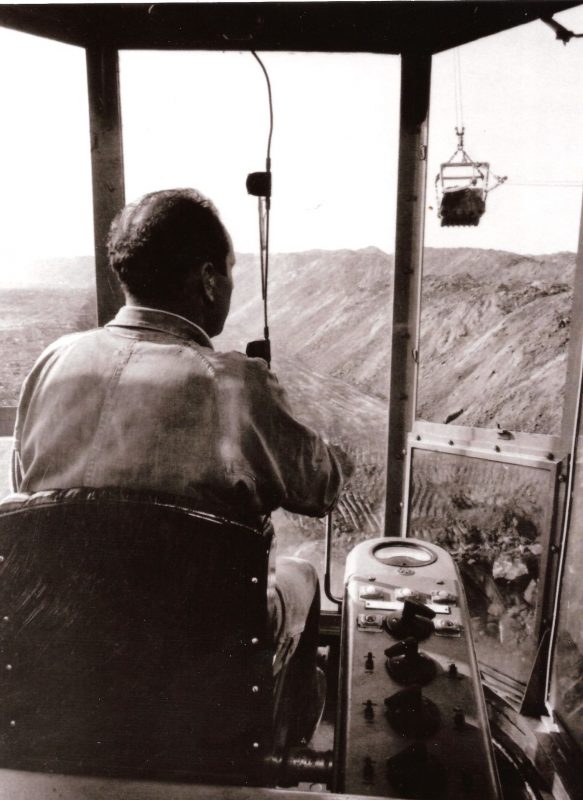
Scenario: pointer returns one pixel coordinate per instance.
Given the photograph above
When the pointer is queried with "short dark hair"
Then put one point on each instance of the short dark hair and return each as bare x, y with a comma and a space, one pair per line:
154, 243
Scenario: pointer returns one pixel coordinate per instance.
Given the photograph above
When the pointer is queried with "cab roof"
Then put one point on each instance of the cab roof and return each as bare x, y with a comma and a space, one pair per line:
374, 27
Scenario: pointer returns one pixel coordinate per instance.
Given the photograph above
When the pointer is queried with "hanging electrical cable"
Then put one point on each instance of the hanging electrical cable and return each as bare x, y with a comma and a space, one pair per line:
459, 110
259, 185
548, 184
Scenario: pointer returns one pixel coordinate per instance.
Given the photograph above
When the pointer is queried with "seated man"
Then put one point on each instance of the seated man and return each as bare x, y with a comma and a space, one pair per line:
146, 403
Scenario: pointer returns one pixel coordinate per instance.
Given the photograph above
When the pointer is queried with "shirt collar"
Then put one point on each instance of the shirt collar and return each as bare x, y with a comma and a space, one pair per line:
154, 319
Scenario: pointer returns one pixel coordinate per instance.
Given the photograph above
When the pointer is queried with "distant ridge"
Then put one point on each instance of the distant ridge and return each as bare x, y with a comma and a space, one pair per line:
79, 271
76, 272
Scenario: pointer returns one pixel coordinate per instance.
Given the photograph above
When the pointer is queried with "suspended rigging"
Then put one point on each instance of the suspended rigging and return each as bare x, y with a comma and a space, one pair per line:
463, 184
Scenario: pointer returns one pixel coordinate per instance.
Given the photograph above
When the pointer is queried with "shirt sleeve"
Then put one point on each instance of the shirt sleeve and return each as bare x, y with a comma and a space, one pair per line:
29, 386
295, 467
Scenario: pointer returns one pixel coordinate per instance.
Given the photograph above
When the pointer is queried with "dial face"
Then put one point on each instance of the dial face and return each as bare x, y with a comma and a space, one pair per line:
404, 555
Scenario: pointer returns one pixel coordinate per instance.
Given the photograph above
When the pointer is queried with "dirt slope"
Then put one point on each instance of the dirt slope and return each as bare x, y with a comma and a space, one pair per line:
497, 350
494, 331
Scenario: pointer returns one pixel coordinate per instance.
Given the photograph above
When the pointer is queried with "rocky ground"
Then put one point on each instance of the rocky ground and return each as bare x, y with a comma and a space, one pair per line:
489, 516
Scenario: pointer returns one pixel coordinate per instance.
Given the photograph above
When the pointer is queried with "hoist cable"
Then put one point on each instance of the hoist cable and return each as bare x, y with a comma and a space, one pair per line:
459, 108
264, 205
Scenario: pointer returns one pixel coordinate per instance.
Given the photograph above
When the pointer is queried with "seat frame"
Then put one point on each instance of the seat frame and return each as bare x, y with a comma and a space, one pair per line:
134, 638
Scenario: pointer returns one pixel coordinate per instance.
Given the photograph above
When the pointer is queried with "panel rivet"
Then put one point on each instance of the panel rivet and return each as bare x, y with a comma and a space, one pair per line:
254, 580
255, 689
13, 723
5, 619
1, 559
8, 667
256, 745
254, 640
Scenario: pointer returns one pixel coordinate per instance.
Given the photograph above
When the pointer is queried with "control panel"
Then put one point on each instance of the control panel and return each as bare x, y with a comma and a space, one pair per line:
412, 718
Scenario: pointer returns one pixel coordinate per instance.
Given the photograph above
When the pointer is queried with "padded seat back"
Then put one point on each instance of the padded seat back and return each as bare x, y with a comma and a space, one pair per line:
133, 638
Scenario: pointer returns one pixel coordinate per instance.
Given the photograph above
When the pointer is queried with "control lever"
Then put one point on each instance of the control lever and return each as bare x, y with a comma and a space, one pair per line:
411, 714
416, 773
415, 621
406, 665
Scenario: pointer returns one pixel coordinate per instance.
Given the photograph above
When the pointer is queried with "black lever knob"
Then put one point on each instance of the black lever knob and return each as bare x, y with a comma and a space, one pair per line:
406, 665
368, 770
411, 714
414, 620
416, 773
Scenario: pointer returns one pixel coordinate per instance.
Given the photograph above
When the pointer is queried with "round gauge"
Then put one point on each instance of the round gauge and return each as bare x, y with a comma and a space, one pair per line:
397, 554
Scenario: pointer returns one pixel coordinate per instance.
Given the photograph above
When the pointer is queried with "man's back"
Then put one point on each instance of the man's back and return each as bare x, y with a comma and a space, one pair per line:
146, 403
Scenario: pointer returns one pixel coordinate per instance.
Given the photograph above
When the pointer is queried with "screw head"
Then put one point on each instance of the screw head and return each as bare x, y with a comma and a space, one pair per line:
254, 640
255, 689
256, 745
8, 667
254, 580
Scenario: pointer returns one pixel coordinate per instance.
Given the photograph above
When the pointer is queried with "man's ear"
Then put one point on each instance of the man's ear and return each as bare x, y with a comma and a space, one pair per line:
208, 280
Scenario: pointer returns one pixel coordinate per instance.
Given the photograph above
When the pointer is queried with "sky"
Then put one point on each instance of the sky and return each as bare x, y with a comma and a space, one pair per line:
201, 119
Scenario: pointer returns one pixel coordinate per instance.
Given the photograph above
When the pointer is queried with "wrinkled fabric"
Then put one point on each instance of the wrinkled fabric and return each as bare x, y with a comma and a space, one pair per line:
146, 403
296, 585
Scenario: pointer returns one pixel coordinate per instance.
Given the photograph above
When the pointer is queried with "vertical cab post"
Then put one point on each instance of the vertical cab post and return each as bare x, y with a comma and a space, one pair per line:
106, 165
415, 85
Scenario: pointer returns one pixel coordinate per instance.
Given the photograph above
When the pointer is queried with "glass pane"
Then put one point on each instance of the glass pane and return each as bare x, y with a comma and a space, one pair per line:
334, 154
568, 661
492, 518
47, 284
496, 300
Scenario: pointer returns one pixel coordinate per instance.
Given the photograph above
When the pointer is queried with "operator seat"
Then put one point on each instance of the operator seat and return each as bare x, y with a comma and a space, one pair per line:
134, 638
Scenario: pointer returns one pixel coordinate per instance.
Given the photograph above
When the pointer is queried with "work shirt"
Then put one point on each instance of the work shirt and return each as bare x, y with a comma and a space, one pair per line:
146, 403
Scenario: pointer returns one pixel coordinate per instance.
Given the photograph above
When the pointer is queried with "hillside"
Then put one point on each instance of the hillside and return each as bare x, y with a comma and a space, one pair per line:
330, 309
495, 347
494, 331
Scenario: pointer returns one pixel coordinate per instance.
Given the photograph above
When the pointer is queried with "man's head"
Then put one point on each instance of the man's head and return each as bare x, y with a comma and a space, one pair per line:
170, 250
